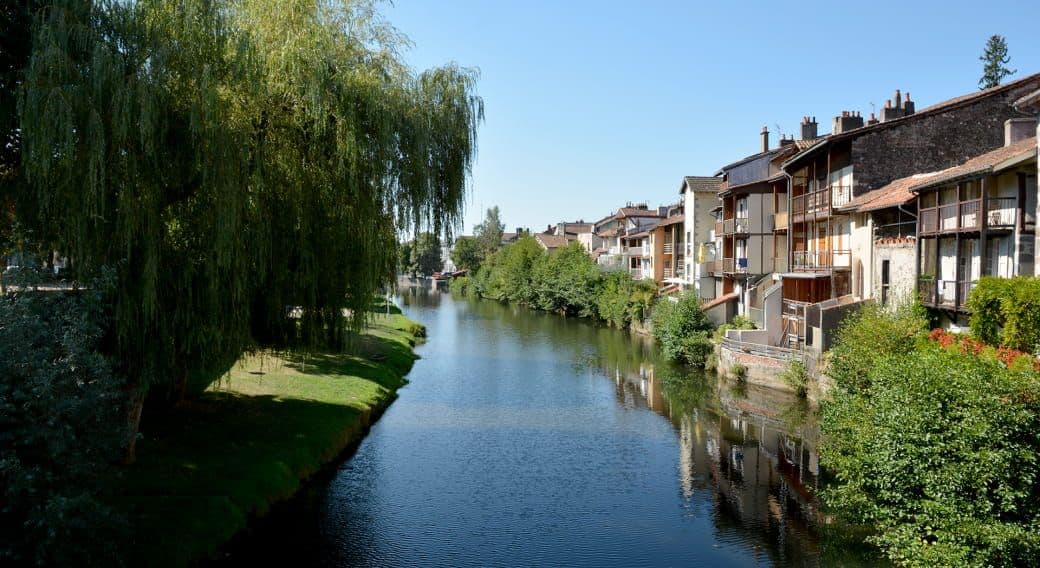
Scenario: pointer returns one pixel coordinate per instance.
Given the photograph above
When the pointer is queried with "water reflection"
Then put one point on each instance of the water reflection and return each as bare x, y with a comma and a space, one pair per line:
528, 438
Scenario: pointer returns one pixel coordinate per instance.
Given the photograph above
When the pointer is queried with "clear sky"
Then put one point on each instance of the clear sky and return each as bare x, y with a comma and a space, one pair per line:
594, 103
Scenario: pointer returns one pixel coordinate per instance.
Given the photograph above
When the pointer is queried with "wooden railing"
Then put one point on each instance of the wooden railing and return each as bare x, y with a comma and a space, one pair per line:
727, 226
1001, 213
814, 259
945, 293
820, 202
727, 265
780, 220
718, 228
669, 248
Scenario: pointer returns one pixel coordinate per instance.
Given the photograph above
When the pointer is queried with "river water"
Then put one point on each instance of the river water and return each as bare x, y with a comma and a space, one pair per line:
530, 439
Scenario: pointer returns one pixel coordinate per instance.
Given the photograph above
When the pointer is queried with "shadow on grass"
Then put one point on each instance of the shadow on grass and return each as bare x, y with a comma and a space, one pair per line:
203, 472
375, 358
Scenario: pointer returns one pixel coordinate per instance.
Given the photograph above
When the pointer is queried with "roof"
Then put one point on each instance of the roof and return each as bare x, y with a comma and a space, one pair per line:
674, 219
1030, 100
719, 301
892, 195
639, 234
993, 161
550, 242
937, 108
700, 183
609, 233
747, 159
636, 212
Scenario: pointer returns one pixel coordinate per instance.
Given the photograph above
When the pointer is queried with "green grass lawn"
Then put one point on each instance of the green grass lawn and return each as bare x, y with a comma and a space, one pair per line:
252, 438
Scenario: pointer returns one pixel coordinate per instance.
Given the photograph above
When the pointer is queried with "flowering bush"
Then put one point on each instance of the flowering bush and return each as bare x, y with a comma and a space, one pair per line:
961, 343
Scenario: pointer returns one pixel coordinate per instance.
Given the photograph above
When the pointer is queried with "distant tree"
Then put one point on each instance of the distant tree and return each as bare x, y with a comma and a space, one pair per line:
404, 258
995, 59
466, 253
426, 254
489, 233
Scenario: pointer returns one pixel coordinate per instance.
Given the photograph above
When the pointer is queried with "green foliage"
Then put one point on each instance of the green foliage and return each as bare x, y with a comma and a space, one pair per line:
796, 376
1004, 312
623, 300
461, 286
994, 60
509, 274
682, 329
230, 159
869, 334
739, 322
425, 255
939, 451
466, 254
489, 233
60, 431
739, 371
567, 281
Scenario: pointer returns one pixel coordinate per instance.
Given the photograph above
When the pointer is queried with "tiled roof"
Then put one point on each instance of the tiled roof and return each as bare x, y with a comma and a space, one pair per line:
636, 212
550, 242
891, 195
1030, 100
701, 183
983, 164
719, 301
609, 233
672, 220
577, 227
639, 234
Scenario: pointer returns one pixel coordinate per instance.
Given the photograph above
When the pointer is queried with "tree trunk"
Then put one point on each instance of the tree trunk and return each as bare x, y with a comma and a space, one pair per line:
135, 406
180, 387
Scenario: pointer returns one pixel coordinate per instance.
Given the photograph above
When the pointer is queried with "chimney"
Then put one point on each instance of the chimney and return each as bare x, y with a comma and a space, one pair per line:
1018, 129
809, 128
765, 139
899, 109
785, 141
908, 105
873, 120
847, 121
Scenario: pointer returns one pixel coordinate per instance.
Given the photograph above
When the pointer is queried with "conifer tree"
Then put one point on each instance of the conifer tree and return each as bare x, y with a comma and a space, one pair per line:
994, 62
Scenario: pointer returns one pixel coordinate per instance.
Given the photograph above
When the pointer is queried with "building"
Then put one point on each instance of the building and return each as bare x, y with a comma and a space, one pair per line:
621, 247
553, 242
825, 278
977, 219
699, 199
1031, 104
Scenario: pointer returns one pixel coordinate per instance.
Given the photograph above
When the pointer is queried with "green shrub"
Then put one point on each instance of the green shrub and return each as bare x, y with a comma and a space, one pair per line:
796, 376
461, 286
739, 322
869, 334
682, 329
940, 453
1004, 311
739, 370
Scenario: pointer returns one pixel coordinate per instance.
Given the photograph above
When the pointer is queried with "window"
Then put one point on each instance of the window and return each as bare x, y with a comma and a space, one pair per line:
885, 282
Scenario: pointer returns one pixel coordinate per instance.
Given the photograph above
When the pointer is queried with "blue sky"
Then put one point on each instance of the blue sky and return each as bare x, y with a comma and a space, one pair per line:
591, 104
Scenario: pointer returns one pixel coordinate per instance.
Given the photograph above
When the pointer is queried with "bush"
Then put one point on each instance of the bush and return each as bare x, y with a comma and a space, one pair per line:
739, 322
869, 334
739, 371
461, 286
796, 376
940, 452
1004, 312
60, 431
682, 329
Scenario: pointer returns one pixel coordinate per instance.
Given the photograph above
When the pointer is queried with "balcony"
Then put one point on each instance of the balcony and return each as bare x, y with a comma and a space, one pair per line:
728, 227
780, 221
821, 259
669, 248
712, 266
728, 264
819, 203
951, 294
1001, 213
741, 225
633, 251
718, 228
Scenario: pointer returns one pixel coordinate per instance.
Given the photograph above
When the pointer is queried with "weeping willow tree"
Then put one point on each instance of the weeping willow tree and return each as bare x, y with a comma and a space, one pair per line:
244, 167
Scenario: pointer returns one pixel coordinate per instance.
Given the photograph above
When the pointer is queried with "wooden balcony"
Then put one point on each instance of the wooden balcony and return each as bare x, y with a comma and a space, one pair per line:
669, 248
718, 228
728, 226
728, 264
741, 225
780, 221
821, 259
948, 294
820, 203
1001, 213
712, 267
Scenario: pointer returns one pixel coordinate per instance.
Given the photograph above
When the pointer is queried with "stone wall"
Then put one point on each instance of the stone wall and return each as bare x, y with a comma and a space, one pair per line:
934, 142
900, 252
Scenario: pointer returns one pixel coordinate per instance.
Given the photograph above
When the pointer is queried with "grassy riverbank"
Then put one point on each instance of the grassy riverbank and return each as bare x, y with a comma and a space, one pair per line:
251, 440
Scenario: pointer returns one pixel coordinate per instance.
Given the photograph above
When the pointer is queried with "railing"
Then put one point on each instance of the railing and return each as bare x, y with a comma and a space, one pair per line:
741, 225
669, 248
927, 289
964, 288
794, 323
727, 265
969, 214
727, 226
633, 251
820, 202
636, 273
1002, 212
667, 272
712, 266
718, 228
943, 293
812, 259
780, 220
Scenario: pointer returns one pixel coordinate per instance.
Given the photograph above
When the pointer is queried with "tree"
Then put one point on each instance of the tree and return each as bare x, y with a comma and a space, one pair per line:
426, 255
489, 233
995, 59
466, 253
227, 159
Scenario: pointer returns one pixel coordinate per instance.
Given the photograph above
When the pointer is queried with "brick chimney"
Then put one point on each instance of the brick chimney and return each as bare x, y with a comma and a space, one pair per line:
809, 128
848, 120
785, 141
899, 109
1018, 129
765, 139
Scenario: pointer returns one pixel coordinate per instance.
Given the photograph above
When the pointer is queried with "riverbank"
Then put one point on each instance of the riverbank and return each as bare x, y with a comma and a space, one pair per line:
253, 438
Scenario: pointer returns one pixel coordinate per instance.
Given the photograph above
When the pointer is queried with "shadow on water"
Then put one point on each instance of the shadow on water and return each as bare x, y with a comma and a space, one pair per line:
530, 438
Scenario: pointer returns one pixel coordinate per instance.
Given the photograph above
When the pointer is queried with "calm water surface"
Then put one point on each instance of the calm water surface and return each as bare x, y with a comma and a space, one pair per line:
529, 439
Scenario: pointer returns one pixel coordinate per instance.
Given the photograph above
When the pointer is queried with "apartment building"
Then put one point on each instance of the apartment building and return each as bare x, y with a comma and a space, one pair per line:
699, 200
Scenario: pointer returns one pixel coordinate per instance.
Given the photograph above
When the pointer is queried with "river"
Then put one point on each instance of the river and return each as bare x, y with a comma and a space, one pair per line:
530, 439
